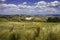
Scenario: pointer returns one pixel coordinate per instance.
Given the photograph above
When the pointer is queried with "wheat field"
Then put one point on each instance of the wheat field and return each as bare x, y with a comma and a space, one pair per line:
29, 31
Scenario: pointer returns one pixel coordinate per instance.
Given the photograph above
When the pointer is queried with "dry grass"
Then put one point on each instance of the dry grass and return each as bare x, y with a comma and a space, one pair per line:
29, 31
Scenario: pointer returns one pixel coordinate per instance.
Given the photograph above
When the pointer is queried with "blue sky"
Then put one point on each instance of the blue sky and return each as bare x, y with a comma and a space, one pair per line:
29, 6
28, 1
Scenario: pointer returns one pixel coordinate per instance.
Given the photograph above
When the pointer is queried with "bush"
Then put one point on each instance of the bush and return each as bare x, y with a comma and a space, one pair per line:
55, 19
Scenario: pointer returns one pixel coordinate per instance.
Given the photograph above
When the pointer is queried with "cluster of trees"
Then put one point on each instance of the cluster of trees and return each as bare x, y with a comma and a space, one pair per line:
53, 19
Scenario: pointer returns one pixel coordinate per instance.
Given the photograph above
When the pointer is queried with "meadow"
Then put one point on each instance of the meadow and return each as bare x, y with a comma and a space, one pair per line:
29, 31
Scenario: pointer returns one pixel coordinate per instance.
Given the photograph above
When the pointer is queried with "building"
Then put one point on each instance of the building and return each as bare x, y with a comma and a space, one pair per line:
28, 18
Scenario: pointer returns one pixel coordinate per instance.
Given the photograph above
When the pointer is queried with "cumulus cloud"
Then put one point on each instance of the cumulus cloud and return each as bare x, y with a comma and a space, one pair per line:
2, 0
24, 3
55, 3
41, 4
41, 7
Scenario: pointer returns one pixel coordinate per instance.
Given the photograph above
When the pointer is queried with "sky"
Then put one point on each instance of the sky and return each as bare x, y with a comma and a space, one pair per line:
29, 7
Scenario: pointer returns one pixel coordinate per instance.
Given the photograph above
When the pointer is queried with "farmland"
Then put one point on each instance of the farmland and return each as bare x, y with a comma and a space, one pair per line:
29, 31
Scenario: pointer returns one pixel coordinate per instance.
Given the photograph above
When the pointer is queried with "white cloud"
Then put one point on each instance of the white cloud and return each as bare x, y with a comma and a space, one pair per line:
22, 6
2, 0
41, 4
41, 7
3, 5
54, 4
24, 3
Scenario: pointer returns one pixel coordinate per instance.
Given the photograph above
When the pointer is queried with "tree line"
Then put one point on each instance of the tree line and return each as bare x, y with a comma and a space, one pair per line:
53, 19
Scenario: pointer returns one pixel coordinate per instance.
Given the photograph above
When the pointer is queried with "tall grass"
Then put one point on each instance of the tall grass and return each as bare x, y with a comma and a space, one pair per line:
29, 31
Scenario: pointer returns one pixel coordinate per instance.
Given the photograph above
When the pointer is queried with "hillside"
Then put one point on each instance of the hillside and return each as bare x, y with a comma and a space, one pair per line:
35, 18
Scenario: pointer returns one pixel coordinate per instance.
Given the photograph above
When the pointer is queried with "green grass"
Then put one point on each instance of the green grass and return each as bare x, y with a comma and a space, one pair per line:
29, 31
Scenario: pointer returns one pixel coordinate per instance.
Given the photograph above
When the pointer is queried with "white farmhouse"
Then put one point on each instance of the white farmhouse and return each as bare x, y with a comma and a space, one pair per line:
28, 18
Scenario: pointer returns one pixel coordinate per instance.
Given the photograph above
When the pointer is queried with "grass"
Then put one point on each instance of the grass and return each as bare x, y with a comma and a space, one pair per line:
29, 31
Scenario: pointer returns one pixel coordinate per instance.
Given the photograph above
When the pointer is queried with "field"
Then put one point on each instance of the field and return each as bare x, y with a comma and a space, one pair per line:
29, 31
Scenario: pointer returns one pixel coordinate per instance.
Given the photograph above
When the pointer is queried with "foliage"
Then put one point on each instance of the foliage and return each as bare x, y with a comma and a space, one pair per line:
55, 19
